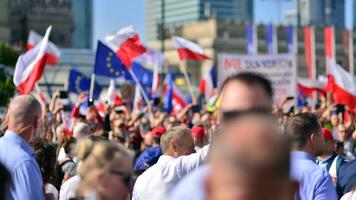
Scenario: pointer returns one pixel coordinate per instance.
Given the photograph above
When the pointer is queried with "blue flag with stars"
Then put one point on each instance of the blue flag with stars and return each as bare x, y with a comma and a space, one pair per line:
144, 76
107, 63
79, 83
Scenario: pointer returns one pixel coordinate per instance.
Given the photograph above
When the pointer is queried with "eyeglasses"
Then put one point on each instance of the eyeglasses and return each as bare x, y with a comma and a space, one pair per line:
229, 115
126, 177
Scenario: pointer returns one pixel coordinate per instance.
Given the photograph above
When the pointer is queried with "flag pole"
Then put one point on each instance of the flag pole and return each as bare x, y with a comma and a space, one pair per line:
92, 86
140, 86
183, 68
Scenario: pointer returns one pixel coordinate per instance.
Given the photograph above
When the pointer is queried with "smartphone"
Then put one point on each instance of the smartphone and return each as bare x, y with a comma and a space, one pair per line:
63, 94
340, 108
67, 108
290, 98
195, 108
90, 102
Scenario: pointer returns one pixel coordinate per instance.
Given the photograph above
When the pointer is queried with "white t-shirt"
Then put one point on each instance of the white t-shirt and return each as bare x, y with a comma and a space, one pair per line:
50, 189
349, 196
69, 188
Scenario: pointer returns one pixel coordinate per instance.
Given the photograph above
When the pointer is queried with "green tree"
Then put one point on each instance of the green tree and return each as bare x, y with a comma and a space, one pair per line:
8, 58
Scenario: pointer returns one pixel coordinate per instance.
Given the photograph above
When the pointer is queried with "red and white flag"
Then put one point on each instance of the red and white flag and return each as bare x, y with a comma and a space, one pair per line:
52, 51
308, 86
126, 44
342, 85
207, 85
113, 98
309, 51
188, 50
30, 66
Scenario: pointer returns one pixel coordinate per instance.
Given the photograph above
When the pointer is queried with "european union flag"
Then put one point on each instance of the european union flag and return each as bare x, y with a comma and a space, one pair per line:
107, 63
79, 83
144, 76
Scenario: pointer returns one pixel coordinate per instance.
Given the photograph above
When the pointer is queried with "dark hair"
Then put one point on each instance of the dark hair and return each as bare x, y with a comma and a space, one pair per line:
46, 159
250, 78
299, 128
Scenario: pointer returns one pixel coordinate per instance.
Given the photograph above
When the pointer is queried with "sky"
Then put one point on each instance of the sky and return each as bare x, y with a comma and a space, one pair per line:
111, 15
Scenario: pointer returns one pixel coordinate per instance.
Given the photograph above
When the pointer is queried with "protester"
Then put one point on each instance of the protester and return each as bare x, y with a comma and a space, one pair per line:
178, 160
306, 139
46, 159
345, 136
151, 155
106, 173
247, 155
330, 160
81, 130
82, 150
347, 178
16, 154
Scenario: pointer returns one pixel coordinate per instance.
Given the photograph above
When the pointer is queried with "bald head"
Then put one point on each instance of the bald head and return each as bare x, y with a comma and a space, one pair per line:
248, 154
246, 91
23, 115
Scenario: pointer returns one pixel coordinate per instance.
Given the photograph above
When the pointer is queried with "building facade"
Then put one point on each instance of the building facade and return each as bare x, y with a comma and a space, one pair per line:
82, 11
178, 12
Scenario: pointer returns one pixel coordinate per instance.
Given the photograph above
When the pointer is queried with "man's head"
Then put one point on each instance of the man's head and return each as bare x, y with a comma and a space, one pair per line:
342, 132
81, 130
24, 116
246, 91
60, 133
305, 134
177, 141
249, 160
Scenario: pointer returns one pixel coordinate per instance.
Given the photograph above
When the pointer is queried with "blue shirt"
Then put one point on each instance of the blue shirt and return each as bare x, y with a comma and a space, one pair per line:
148, 158
314, 182
19, 158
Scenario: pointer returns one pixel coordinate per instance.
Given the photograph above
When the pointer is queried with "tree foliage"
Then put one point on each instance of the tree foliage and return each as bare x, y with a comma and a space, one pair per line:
8, 58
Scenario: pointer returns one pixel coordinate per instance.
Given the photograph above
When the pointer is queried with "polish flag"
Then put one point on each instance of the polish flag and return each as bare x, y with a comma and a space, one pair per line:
112, 96
342, 85
52, 51
188, 50
30, 66
307, 86
126, 44
178, 96
208, 83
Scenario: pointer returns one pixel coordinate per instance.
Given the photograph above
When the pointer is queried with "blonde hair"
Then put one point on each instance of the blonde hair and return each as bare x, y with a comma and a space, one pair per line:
103, 157
176, 133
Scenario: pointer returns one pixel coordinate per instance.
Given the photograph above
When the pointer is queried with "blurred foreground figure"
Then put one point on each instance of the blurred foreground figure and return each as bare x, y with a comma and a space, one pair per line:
16, 154
106, 173
249, 160
178, 160
307, 141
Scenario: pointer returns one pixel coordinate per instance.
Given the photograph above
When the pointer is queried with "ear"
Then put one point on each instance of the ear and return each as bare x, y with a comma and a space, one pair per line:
314, 138
173, 145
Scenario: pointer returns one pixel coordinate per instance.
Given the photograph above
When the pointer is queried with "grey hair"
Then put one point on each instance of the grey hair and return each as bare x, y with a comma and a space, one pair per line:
175, 133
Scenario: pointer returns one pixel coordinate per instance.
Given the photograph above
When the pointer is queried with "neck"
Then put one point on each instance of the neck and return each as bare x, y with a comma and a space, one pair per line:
22, 133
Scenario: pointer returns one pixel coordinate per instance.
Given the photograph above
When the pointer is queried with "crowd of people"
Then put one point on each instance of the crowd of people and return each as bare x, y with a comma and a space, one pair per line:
245, 149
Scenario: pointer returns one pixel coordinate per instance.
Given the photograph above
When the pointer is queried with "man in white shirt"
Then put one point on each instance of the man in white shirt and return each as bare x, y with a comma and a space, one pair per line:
178, 159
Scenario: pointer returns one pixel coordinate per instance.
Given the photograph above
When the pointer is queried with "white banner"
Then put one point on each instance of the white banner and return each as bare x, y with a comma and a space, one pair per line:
280, 69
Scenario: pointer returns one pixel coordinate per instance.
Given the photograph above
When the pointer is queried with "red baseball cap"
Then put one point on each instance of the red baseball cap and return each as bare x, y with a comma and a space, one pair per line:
198, 131
157, 132
327, 134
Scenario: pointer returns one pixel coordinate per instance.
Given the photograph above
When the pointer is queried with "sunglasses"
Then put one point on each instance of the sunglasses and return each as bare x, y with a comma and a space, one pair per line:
126, 177
229, 115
